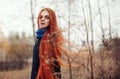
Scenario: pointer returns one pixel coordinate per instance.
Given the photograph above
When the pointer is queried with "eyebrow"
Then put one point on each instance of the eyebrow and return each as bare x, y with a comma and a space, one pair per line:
46, 16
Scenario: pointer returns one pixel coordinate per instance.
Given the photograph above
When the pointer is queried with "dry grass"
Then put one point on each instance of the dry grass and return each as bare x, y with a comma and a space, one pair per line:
78, 71
16, 74
78, 62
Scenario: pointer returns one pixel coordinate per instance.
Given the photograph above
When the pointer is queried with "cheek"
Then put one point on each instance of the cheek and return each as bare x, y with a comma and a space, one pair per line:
39, 21
48, 22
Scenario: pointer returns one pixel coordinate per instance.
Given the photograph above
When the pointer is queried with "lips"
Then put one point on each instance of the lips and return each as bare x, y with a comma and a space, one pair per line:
42, 23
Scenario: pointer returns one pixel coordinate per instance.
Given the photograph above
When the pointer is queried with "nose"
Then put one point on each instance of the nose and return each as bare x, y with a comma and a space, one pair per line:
43, 18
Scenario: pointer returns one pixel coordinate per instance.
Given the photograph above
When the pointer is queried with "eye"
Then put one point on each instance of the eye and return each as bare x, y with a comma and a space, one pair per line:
47, 17
40, 17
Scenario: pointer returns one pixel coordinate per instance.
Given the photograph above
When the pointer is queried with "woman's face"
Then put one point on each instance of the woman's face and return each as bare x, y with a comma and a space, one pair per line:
44, 19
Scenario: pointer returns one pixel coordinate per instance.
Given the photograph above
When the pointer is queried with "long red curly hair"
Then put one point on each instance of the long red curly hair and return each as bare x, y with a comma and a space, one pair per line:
49, 48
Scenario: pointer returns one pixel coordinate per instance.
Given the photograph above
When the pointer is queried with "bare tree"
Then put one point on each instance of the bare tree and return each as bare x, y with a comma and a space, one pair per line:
32, 17
103, 40
109, 18
69, 4
101, 24
91, 26
88, 43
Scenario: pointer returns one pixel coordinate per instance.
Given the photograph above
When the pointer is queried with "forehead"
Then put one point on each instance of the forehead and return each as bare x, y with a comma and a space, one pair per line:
44, 12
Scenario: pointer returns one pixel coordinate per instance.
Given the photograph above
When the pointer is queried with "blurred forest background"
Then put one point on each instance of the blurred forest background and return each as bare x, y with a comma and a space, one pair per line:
92, 27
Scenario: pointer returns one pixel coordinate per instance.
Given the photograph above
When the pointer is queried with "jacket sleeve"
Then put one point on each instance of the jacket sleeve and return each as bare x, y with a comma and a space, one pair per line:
35, 62
57, 69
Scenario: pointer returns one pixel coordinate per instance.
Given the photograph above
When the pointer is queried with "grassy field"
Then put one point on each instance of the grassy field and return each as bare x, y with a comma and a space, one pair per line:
16, 74
80, 70
78, 73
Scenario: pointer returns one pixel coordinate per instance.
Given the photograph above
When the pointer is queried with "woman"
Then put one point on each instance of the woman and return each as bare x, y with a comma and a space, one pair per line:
46, 53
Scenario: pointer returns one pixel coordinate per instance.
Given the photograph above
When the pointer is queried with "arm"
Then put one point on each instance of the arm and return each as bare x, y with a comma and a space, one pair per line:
35, 62
57, 70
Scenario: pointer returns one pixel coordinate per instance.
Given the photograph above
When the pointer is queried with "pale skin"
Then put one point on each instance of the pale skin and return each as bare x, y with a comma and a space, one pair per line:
44, 20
